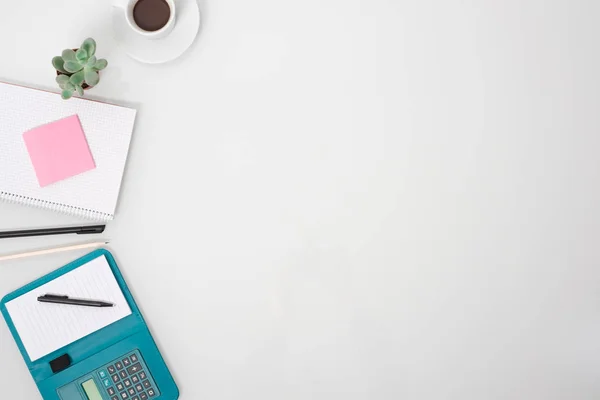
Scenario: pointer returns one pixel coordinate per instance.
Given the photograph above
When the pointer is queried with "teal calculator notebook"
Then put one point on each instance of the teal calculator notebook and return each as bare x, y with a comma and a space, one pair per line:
87, 353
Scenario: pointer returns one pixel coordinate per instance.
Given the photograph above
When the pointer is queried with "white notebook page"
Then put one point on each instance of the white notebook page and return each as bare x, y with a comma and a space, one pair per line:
45, 327
108, 129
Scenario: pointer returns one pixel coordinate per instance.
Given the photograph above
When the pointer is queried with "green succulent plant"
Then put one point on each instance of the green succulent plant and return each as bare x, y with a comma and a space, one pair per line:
78, 67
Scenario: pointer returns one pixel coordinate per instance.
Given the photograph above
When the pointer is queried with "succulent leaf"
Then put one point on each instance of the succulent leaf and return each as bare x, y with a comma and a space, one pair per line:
89, 45
100, 64
77, 78
91, 77
69, 55
72, 66
59, 64
62, 79
66, 94
81, 55
91, 61
79, 90
69, 86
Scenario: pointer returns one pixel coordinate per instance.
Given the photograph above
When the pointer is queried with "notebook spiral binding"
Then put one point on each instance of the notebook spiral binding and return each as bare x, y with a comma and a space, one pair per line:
62, 208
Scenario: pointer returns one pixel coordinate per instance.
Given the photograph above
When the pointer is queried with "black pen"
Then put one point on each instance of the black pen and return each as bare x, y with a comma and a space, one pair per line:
80, 230
61, 299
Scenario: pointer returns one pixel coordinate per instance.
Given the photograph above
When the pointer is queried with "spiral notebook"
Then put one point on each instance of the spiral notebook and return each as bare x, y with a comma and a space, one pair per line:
108, 129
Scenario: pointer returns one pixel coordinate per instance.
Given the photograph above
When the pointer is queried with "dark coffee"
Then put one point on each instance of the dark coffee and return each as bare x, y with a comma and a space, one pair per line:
151, 15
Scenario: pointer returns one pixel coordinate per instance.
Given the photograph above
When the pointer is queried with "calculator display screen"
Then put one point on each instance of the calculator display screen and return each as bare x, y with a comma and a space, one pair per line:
91, 390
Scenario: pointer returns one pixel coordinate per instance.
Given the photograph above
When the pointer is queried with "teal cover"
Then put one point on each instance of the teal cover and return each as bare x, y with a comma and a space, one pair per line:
97, 349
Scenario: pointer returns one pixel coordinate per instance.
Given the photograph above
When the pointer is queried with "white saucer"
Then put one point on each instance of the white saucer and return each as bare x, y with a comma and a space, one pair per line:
156, 51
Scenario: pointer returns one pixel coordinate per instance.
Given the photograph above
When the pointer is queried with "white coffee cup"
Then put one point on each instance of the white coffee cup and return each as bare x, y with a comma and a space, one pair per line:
128, 6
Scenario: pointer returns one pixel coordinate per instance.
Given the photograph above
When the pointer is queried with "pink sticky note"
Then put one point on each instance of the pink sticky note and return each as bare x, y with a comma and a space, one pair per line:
58, 150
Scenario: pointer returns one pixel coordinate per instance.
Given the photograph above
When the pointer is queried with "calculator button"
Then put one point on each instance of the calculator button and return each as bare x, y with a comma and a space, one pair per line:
131, 391
134, 369
119, 365
143, 396
135, 398
111, 370
126, 362
107, 382
111, 391
127, 382
124, 395
134, 358
123, 374
151, 393
102, 374
135, 379
120, 387
114, 398
115, 378
139, 387
142, 375
146, 384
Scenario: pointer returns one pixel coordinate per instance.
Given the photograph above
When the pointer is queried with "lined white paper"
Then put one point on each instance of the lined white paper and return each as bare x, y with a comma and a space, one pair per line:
46, 327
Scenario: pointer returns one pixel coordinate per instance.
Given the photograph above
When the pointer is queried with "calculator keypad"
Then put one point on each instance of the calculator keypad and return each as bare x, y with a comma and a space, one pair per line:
128, 378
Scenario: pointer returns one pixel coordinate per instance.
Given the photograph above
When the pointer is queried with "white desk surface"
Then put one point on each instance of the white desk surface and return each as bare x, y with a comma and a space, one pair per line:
349, 199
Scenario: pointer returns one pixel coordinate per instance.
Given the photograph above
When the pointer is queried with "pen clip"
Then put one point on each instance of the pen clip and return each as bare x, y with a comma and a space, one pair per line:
86, 230
54, 296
